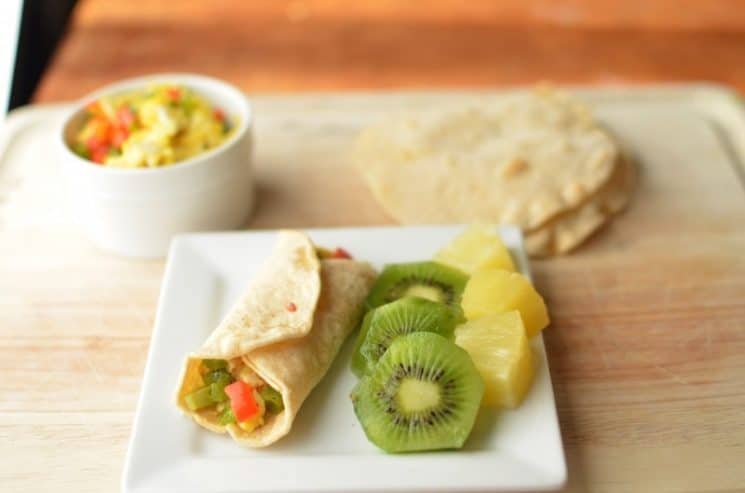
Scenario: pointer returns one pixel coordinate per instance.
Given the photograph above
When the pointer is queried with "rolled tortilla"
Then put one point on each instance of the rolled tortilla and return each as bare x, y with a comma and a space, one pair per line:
292, 365
261, 317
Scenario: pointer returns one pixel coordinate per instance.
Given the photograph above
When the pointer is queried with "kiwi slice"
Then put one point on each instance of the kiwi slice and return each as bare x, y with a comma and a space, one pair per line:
359, 363
423, 394
429, 280
401, 317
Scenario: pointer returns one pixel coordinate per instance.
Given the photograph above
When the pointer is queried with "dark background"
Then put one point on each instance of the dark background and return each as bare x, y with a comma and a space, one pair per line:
42, 25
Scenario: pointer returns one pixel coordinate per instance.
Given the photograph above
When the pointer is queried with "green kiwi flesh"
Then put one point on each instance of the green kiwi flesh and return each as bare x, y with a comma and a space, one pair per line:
430, 280
401, 317
424, 394
359, 363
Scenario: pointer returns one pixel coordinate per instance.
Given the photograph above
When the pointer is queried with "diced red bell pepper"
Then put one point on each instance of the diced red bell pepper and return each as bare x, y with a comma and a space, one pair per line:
242, 400
97, 148
102, 129
341, 253
219, 115
94, 142
119, 136
126, 117
174, 93
98, 155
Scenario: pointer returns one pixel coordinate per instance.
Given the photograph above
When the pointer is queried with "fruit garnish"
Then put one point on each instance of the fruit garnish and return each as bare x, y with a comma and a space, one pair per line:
499, 347
359, 363
404, 316
478, 247
423, 394
430, 280
492, 290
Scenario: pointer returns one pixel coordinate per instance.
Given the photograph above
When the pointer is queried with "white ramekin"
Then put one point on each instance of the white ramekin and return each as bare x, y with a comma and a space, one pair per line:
136, 212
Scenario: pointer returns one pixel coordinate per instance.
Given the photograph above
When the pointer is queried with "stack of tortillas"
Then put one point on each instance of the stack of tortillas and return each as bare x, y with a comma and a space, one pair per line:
538, 160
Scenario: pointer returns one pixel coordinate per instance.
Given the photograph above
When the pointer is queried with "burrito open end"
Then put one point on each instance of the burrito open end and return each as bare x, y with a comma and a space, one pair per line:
254, 372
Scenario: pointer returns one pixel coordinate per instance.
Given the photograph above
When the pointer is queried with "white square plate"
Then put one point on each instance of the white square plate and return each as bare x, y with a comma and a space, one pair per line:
326, 449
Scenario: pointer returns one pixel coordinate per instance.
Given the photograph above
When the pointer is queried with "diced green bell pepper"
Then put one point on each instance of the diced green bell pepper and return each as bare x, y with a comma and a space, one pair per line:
217, 392
217, 380
81, 150
272, 400
200, 398
217, 376
226, 417
214, 364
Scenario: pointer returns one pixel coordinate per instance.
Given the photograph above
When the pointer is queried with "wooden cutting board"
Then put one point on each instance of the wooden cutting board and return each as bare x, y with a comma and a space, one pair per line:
646, 345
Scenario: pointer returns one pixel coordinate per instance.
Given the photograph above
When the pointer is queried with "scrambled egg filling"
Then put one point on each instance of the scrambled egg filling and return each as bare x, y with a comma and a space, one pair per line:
158, 126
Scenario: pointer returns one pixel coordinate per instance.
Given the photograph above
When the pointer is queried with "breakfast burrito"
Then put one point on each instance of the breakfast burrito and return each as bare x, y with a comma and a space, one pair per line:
254, 371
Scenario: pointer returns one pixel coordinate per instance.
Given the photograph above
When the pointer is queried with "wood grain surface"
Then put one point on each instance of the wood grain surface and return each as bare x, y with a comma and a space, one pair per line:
301, 45
648, 319
648, 325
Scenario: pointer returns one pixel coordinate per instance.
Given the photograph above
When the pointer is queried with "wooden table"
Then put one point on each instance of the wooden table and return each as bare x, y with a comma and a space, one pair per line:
648, 381
305, 45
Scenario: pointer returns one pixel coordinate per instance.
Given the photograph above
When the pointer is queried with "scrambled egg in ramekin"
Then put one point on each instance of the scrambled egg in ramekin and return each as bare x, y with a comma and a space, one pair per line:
156, 126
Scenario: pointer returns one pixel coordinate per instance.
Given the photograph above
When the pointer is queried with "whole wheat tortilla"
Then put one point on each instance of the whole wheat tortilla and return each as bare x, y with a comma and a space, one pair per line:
568, 230
292, 365
520, 161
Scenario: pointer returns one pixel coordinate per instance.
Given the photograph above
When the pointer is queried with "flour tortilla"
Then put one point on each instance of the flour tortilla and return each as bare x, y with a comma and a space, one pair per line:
292, 365
296, 366
520, 161
260, 317
568, 230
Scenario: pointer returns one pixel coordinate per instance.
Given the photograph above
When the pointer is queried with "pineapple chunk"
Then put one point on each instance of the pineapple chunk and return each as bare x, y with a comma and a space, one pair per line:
499, 348
478, 247
498, 291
